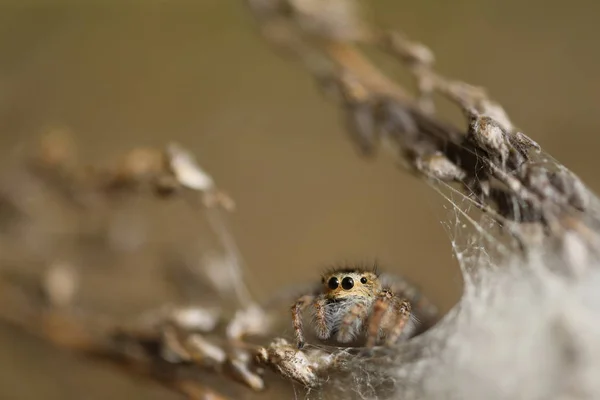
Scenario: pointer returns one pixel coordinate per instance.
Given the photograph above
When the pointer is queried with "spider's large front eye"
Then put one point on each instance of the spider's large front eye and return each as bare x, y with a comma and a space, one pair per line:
347, 283
333, 283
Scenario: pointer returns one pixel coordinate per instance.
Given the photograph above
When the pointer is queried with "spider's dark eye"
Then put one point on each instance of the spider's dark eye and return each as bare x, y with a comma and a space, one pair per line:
363, 280
347, 283
333, 283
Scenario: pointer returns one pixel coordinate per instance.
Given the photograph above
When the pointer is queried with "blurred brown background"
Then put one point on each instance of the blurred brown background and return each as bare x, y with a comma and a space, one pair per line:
123, 74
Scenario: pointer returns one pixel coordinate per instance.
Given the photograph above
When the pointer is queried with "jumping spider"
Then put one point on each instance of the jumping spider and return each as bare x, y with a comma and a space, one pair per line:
352, 302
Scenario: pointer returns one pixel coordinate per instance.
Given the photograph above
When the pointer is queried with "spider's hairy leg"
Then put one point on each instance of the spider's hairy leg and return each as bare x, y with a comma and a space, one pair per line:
422, 307
357, 312
380, 307
322, 328
297, 309
402, 317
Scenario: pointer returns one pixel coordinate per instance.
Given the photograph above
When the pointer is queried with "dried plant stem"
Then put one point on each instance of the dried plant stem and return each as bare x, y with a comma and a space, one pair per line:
168, 346
94, 338
499, 168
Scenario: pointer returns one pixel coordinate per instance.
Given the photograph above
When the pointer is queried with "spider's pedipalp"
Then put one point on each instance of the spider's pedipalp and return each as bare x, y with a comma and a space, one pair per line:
354, 316
403, 315
380, 307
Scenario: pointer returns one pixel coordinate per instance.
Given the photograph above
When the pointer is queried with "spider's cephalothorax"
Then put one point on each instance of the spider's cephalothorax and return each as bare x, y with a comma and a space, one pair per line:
353, 302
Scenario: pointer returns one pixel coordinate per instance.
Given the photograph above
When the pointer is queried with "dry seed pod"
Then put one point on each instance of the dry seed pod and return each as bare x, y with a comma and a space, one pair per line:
361, 124
56, 149
139, 165
489, 136
437, 166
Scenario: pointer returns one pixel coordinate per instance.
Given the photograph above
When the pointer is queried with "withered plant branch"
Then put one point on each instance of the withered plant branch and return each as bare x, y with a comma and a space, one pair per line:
499, 168
172, 346
98, 339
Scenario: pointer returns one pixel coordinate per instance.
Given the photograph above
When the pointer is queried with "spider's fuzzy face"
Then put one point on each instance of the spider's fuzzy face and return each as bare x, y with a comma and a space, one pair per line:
350, 283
